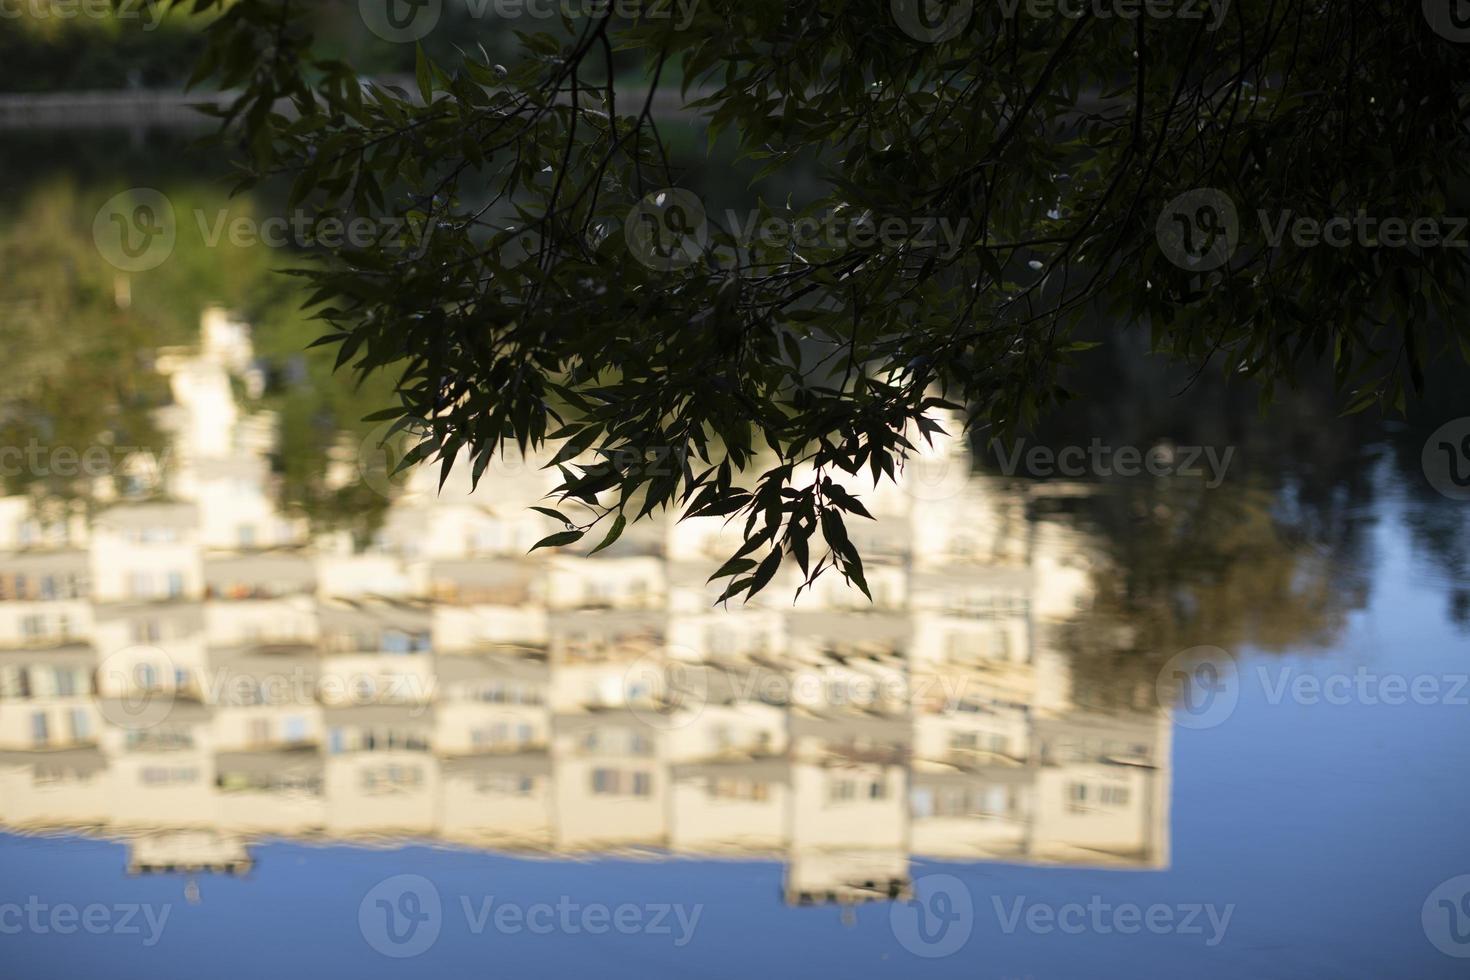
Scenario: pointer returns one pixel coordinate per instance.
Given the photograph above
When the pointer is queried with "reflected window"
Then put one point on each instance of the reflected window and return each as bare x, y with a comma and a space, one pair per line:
921, 803
14, 682
140, 585
745, 790
615, 782
1082, 797
169, 775
504, 784
160, 739
392, 779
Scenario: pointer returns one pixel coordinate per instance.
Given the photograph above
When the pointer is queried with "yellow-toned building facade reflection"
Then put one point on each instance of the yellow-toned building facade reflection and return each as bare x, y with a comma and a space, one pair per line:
193, 669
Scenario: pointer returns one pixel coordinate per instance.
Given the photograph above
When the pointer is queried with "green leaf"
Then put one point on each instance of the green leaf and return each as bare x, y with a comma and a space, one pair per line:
558, 540
615, 532
423, 74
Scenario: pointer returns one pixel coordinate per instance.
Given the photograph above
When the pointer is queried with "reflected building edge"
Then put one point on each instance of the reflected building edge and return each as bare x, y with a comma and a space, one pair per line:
192, 670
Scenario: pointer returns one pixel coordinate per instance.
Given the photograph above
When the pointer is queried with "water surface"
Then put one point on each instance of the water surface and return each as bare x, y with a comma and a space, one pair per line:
265, 708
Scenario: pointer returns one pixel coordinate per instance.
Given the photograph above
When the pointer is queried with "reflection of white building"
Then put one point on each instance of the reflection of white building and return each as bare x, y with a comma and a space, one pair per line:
849, 828
446, 683
380, 775
147, 553
188, 852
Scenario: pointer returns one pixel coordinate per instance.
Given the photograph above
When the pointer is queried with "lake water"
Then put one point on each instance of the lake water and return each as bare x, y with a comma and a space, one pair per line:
266, 709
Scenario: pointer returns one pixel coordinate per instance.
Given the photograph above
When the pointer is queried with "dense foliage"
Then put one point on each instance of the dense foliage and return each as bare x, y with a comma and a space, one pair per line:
83, 336
541, 274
